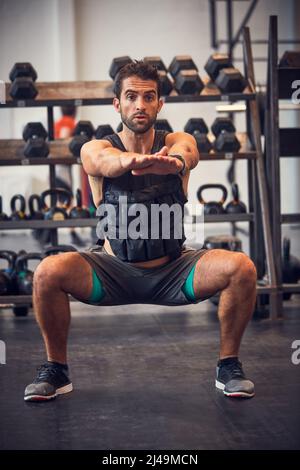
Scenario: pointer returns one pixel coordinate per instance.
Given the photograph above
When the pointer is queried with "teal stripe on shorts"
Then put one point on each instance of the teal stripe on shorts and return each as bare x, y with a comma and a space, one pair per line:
188, 288
98, 291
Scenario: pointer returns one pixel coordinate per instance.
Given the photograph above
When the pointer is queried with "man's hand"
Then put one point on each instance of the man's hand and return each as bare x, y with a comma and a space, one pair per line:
158, 164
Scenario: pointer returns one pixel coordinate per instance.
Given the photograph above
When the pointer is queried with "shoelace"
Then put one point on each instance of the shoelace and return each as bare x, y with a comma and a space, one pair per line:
45, 370
235, 368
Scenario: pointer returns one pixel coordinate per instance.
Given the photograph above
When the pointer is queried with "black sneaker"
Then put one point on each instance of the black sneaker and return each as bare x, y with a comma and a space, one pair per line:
232, 381
52, 380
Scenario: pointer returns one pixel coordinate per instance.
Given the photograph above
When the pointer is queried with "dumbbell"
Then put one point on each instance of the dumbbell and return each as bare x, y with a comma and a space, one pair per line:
103, 130
165, 82
227, 78
185, 74
224, 131
83, 132
79, 212
212, 207
162, 125
23, 76
3, 216
53, 212
117, 64
35, 136
198, 128
18, 214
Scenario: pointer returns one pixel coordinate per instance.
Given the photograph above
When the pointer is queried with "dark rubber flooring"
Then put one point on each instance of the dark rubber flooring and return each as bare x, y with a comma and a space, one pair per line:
143, 378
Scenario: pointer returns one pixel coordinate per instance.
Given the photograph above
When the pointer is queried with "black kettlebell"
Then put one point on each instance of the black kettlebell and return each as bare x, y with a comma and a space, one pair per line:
18, 214
6, 275
212, 207
35, 213
24, 276
53, 212
53, 250
79, 212
224, 242
3, 216
235, 206
290, 267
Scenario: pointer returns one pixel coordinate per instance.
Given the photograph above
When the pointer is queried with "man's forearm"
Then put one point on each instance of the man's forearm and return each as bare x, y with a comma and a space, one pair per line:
108, 162
189, 154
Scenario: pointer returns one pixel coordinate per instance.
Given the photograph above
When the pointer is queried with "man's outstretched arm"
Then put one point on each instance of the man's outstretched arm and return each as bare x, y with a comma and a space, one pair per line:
185, 145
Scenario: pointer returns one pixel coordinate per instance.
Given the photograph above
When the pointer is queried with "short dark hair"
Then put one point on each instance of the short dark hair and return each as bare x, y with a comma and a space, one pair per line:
140, 69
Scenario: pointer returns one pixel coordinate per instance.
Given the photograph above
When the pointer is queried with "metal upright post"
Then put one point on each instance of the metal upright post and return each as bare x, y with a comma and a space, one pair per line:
275, 306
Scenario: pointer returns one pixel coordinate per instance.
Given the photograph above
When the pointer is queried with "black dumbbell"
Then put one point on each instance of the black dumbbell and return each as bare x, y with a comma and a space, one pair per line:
3, 216
212, 207
215, 63
185, 74
117, 64
235, 206
224, 131
163, 125
103, 130
23, 76
18, 214
198, 128
83, 132
53, 212
230, 80
79, 212
35, 136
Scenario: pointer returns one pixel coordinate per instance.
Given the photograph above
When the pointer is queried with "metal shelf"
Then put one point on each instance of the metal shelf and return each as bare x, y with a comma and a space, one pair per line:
46, 224
89, 93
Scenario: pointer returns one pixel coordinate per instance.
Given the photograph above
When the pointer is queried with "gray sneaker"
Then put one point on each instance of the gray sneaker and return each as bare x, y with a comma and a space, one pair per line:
51, 380
232, 380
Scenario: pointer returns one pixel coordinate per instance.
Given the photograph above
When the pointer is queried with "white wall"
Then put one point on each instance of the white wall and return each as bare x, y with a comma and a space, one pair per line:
77, 39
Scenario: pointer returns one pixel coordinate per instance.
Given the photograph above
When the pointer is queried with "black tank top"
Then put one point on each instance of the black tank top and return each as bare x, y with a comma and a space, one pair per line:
146, 189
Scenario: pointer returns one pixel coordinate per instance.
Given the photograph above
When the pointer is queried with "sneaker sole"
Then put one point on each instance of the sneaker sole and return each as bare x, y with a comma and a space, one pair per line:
221, 386
60, 391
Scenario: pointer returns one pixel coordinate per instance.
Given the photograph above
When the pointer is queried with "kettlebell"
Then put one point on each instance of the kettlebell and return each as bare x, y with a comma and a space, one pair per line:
53, 250
35, 214
79, 212
18, 214
6, 280
224, 242
24, 276
3, 216
53, 212
212, 207
235, 206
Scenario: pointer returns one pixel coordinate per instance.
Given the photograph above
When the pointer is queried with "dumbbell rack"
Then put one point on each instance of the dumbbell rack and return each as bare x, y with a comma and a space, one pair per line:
279, 143
100, 93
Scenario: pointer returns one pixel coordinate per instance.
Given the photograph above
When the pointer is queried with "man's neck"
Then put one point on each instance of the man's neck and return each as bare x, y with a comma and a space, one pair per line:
139, 143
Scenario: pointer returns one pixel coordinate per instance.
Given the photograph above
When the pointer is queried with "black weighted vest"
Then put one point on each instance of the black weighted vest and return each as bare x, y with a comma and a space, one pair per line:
148, 190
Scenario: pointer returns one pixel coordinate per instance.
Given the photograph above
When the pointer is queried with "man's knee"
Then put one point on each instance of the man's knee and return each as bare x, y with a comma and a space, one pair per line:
242, 268
52, 270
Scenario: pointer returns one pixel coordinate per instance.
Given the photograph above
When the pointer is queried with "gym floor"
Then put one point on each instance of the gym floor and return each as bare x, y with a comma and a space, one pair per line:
143, 378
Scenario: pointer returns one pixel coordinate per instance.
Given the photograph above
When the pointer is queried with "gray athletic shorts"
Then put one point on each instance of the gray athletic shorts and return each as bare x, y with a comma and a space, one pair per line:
124, 283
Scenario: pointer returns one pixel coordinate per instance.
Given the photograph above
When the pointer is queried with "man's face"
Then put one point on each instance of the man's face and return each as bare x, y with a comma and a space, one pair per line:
138, 104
